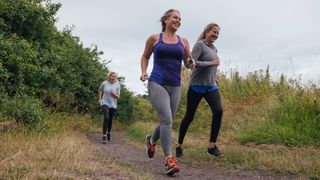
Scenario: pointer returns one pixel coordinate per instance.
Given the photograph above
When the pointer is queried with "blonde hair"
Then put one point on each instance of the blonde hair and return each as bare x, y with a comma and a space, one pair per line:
207, 29
165, 16
110, 74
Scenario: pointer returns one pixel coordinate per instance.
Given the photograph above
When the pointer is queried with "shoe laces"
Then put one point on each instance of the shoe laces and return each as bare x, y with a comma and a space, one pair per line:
152, 147
171, 161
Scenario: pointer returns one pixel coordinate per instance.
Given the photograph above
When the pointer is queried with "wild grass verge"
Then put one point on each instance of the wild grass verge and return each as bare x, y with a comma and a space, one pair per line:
63, 152
266, 125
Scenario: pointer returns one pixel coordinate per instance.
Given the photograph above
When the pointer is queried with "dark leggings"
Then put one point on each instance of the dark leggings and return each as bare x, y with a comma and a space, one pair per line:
107, 118
193, 98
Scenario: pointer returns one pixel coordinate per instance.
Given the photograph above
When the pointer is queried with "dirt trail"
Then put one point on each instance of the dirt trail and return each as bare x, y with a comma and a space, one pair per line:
119, 149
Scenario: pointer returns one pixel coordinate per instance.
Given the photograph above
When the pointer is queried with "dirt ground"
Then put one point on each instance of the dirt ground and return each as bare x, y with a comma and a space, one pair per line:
119, 149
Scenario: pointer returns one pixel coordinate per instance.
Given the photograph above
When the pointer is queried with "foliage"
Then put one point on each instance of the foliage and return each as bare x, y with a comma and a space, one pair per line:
39, 61
26, 111
289, 114
293, 119
126, 103
255, 86
278, 120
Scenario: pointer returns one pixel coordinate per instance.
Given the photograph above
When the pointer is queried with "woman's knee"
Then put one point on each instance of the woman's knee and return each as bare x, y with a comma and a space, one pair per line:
187, 119
218, 110
166, 121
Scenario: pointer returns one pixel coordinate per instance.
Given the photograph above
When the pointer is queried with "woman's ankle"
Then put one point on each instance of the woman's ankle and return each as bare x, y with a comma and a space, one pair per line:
211, 144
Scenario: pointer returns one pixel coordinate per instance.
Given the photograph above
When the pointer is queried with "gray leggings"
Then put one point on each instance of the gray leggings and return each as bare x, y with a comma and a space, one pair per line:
165, 99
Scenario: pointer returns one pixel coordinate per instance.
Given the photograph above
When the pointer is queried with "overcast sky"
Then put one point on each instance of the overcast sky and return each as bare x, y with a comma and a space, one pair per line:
284, 34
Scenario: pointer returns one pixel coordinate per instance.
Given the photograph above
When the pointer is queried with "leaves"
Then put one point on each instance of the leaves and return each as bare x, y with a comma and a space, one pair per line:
38, 60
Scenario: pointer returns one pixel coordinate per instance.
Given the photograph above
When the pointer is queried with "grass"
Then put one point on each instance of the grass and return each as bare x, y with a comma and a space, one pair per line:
266, 125
63, 152
293, 120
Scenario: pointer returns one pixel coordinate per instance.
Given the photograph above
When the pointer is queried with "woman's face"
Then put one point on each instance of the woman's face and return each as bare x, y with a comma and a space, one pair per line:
113, 77
174, 20
213, 34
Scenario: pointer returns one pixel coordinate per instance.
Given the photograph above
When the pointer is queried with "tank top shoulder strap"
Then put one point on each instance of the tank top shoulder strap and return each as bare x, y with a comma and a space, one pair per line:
179, 40
160, 38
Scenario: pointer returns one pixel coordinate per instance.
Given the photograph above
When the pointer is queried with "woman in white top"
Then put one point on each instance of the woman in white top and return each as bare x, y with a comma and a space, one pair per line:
109, 93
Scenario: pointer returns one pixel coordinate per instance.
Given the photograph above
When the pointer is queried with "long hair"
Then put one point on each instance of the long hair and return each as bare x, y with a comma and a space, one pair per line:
110, 74
165, 16
207, 29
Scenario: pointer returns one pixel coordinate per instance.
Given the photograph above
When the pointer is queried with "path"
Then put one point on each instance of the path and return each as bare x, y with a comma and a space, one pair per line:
119, 149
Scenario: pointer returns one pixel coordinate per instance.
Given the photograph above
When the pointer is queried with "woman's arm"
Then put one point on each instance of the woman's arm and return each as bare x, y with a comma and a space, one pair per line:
115, 95
187, 53
196, 53
100, 95
214, 62
151, 41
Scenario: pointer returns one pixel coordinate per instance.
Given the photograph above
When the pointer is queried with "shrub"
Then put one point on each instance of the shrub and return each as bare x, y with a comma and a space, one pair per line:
26, 110
125, 105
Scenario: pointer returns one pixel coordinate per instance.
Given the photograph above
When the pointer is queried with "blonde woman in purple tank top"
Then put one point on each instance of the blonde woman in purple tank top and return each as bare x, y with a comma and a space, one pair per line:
164, 85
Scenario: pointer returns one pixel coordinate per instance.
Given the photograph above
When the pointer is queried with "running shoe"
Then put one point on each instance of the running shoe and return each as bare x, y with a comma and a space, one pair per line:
214, 151
104, 139
150, 148
171, 166
179, 151
108, 136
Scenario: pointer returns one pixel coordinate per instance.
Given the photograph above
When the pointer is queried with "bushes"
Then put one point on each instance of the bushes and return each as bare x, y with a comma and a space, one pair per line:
125, 105
26, 111
37, 60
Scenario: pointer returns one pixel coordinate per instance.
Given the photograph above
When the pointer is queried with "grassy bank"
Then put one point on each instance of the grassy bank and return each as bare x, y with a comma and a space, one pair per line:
63, 152
267, 125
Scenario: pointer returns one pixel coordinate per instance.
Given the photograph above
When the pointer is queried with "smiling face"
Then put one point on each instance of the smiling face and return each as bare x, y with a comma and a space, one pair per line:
212, 34
170, 20
173, 21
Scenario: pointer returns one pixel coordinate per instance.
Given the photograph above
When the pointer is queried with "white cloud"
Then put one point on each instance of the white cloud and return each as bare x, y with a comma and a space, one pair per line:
254, 34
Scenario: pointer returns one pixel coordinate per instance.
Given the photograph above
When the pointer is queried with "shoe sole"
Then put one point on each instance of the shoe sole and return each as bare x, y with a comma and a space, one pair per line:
172, 171
215, 156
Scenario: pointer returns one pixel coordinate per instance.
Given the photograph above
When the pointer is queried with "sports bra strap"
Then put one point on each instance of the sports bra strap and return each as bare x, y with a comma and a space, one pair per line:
161, 38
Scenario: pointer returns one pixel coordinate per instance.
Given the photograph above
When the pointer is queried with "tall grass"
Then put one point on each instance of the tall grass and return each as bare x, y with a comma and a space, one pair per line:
267, 124
294, 118
62, 152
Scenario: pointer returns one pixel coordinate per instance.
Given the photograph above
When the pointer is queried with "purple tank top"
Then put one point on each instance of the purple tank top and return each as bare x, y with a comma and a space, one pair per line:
167, 63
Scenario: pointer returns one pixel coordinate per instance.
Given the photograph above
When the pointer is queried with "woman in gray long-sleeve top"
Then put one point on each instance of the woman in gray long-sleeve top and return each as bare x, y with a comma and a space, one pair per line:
203, 84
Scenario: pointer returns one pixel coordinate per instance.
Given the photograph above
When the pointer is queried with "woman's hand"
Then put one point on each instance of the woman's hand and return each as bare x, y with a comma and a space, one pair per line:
114, 94
215, 62
191, 63
143, 77
217, 82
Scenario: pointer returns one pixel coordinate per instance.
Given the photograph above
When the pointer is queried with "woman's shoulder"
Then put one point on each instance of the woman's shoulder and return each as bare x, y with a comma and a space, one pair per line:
200, 42
104, 82
154, 37
184, 40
